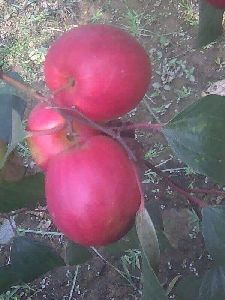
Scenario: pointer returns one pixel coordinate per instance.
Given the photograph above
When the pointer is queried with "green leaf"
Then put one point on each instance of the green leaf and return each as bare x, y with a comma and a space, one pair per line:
129, 241
176, 225
155, 212
3, 150
8, 89
11, 128
76, 254
8, 104
30, 259
152, 289
213, 283
213, 226
148, 238
164, 244
18, 134
210, 23
197, 137
23, 193
7, 278
188, 288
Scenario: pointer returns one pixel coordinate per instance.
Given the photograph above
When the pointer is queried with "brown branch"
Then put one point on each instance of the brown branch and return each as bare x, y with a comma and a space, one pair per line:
31, 93
207, 191
186, 193
144, 126
70, 83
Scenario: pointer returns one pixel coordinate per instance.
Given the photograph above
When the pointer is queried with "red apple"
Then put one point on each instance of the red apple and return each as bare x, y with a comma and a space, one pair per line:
45, 145
217, 3
109, 69
92, 192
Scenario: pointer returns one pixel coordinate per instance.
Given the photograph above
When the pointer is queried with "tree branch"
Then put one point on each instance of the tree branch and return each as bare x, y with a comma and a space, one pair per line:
207, 191
31, 93
144, 126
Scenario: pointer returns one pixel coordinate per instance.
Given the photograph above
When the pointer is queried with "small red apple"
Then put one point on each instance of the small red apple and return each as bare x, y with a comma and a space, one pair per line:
109, 69
92, 192
45, 145
217, 3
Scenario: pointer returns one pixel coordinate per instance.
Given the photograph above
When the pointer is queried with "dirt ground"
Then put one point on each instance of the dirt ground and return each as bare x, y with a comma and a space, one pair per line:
181, 73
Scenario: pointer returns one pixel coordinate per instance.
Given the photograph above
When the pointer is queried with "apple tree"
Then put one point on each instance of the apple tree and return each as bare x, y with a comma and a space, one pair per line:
90, 170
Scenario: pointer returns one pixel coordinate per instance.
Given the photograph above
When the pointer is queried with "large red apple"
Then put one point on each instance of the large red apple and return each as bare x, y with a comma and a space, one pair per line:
217, 3
92, 192
50, 134
109, 69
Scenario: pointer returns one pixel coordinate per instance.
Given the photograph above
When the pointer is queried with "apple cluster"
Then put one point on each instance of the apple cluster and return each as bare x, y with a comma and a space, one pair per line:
92, 188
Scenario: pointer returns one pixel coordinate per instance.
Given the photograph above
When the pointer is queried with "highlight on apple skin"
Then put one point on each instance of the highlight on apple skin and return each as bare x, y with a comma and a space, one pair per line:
92, 192
108, 71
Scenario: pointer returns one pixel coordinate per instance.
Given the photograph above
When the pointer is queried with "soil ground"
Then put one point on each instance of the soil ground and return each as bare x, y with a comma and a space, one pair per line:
181, 73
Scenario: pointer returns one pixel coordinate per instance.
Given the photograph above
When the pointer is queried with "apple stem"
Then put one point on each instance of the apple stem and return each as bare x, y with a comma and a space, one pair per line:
185, 192
31, 93
107, 131
70, 83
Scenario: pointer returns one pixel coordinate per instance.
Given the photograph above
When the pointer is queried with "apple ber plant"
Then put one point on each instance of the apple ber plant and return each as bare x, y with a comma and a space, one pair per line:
97, 73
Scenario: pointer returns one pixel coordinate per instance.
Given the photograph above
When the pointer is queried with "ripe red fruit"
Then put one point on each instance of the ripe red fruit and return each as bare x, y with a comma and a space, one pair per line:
110, 70
217, 3
92, 192
44, 146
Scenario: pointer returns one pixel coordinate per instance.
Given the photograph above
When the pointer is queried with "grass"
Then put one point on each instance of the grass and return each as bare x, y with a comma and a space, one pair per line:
131, 262
183, 93
137, 23
17, 291
134, 22
190, 12
97, 16
155, 151
26, 47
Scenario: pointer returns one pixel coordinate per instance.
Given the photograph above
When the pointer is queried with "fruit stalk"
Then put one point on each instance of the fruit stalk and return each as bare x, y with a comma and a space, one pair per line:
101, 128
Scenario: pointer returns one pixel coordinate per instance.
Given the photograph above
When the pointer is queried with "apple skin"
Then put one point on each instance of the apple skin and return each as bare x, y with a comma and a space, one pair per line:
110, 69
44, 146
92, 192
217, 3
